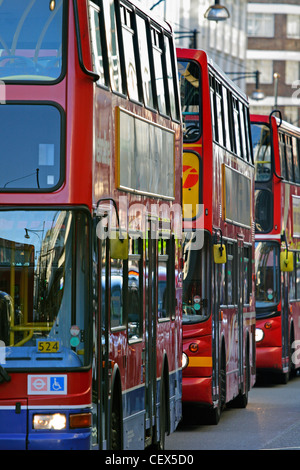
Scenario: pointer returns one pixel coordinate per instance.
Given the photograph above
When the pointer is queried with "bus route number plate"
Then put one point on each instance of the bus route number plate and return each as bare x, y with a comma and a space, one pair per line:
48, 346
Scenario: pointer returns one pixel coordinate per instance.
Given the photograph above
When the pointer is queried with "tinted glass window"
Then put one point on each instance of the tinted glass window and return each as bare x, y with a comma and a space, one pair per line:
31, 40
30, 138
189, 83
145, 65
44, 285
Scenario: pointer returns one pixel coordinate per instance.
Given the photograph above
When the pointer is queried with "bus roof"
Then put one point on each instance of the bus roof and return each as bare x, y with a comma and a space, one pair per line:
282, 124
139, 6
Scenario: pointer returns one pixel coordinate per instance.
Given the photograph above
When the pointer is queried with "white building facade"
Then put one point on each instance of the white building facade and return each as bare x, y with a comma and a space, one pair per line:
224, 41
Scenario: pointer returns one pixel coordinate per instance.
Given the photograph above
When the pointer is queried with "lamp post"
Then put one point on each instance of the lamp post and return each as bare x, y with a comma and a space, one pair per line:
276, 77
215, 12
32, 231
257, 94
188, 34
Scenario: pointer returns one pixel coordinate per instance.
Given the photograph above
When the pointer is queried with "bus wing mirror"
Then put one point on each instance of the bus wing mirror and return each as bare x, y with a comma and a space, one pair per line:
286, 261
118, 245
220, 256
219, 248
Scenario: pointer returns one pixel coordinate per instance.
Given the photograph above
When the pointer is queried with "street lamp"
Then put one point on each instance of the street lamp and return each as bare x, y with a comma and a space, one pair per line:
217, 12
188, 34
257, 94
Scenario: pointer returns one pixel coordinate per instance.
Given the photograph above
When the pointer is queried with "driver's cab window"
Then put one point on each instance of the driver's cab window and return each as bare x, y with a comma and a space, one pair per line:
189, 83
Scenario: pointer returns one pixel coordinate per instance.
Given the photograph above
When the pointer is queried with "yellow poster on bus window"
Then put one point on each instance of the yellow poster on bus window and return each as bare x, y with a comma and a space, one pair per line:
190, 184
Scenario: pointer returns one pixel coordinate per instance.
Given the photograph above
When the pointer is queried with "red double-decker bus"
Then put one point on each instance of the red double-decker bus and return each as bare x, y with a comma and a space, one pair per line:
218, 202
90, 195
276, 148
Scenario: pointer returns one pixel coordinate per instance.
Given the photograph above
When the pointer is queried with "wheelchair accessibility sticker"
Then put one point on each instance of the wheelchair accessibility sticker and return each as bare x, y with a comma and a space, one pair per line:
47, 384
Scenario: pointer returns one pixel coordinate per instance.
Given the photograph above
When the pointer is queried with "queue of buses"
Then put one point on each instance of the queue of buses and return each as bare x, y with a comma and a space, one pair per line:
149, 229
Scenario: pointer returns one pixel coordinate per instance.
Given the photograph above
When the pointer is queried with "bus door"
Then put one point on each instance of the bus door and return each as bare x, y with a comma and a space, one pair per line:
150, 322
240, 303
100, 281
285, 321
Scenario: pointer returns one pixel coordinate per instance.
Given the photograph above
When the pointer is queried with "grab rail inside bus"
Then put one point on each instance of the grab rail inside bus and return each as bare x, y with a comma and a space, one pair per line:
271, 137
220, 256
90, 73
286, 257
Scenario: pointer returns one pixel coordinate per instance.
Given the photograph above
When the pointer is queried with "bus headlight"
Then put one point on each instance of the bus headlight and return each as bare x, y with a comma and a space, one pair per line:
185, 360
259, 335
56, 422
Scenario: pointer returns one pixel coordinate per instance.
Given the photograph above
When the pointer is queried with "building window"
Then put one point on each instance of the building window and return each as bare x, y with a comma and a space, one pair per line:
292, 71
293, 26
260, 25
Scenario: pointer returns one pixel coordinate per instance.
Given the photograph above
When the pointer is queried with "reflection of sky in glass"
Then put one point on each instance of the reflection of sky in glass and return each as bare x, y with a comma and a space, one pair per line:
13, 224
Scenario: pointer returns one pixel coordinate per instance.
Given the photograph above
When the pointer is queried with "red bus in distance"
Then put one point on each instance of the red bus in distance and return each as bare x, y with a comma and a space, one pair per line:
276, 148
218, 204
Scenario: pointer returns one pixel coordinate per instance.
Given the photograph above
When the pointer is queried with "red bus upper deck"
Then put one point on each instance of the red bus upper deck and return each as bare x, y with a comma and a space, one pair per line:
218, 204
90, 328
276, 147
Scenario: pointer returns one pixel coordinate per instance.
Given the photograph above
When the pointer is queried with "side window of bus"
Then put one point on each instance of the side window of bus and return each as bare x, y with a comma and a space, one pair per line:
227, 139
293, 279
230, 274
282, 156
157, 50
243, 132
248, 134
128, 35
97, 52
231, 121
135, 289
163, 307
116, 294
145, 62
296, 155
247, 275
236, 124
289, 157
213, 107
112, 46
219, 111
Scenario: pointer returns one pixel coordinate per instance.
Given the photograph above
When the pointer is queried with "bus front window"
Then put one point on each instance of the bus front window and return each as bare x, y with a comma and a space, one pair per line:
196, 286
189, 82
261, 151
31, 40
267, 274
43, 288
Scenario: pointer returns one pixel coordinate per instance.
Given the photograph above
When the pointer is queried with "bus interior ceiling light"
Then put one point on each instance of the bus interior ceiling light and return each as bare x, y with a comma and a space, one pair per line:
217, 12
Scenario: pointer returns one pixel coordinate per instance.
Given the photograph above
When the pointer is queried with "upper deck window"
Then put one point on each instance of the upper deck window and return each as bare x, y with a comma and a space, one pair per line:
31, 40
189, 82
129, 52
30, 137
145, 63
158, 69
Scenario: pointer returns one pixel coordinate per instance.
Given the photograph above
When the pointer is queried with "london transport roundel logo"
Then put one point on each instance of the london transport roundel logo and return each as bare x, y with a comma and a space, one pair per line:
190, 176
